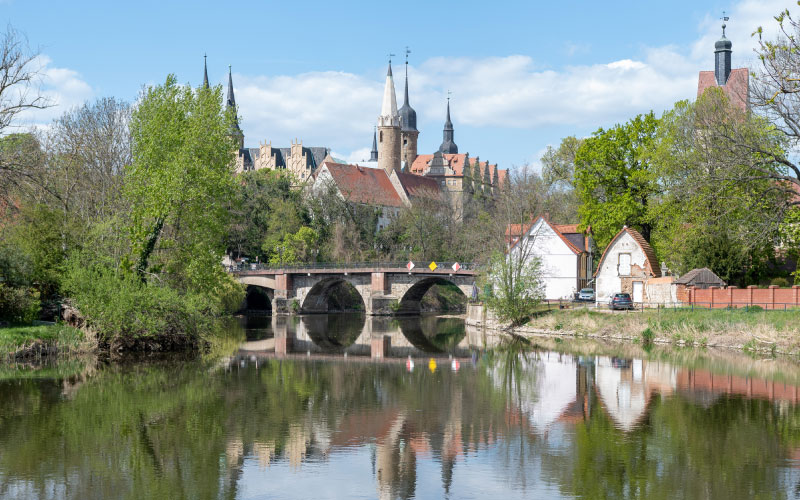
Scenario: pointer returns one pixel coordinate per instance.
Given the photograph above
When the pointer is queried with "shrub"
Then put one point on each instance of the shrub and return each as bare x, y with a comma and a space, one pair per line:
19, 305
781, 282
647, 335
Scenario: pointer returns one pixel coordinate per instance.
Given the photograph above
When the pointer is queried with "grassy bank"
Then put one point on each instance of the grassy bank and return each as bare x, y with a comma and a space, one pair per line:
777, 331
34, 341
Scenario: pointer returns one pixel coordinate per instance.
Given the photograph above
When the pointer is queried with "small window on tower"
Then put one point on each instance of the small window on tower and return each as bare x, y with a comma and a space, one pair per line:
405, 142
381, 138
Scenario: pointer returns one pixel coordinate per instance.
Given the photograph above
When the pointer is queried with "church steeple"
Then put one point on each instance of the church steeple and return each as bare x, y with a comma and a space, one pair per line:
205, 71
408, 126
448, 146
722, 56
408, 117
373, 155
236, 132
389, 116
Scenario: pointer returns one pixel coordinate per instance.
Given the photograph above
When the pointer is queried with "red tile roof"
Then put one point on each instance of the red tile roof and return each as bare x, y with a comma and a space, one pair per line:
417, 185
514, 231
366, 185
650, 255
736, 88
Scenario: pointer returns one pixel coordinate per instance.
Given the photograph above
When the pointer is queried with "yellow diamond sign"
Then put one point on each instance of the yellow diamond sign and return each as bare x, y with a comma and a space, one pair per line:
432, 266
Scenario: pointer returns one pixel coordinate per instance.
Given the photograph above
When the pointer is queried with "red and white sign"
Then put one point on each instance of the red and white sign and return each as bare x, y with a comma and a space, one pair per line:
410, 265
456, 266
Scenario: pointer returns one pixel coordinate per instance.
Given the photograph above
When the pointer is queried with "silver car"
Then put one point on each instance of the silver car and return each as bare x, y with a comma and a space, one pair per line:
586, 294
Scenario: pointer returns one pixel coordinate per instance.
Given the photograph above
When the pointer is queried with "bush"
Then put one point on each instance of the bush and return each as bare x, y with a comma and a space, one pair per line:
781, 282
19, 305
129, 314
647, 336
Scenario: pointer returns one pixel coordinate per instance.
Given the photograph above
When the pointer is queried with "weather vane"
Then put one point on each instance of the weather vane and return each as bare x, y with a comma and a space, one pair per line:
724, 20
390, 58
407, 53
448, 94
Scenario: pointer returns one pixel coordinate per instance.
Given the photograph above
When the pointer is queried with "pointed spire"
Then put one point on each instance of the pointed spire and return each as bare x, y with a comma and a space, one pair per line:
231, 100
373, 155
389, 116
408, 117
448, 146
205, 71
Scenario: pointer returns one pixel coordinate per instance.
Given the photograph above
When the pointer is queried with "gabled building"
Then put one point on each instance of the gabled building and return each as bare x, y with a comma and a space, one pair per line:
389, 192
626, 266
564, 253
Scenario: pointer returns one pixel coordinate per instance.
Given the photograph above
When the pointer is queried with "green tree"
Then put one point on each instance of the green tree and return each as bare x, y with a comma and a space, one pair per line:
706, 217
614, 179
179, 183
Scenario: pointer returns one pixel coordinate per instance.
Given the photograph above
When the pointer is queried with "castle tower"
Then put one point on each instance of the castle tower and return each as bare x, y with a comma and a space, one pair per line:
389, 128
236, 132
448, 146
408, 127
373, 155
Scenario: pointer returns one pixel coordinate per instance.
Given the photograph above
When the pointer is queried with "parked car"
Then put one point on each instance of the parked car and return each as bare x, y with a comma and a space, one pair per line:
621, 301
586, 294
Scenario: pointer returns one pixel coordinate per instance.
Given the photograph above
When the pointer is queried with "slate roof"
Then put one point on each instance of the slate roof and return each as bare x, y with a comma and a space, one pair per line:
370, 186
701, 278
736, 88
316, 155
649, 253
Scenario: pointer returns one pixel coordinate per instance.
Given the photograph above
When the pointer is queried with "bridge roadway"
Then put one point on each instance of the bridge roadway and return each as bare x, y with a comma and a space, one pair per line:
385, 288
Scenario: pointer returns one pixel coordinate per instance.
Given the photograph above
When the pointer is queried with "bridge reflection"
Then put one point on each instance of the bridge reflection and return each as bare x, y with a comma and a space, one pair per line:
362, 335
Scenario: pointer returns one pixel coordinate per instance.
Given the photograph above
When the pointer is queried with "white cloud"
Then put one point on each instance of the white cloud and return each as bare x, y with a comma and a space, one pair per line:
339, 109
62, 87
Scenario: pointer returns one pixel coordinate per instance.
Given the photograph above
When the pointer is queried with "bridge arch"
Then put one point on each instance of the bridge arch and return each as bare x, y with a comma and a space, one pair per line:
410, 302
258, 299
333, 294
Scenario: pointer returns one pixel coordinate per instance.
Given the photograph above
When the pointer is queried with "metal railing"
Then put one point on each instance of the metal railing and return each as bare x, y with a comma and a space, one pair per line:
418, 266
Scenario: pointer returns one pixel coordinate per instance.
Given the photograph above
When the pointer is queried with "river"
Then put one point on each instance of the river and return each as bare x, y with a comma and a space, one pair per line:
358, 407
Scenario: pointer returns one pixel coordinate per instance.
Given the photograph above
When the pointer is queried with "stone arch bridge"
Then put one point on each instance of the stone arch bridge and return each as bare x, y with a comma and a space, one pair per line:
384, 288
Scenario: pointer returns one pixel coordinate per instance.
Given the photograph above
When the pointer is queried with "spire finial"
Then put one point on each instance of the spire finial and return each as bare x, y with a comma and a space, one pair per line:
724, 20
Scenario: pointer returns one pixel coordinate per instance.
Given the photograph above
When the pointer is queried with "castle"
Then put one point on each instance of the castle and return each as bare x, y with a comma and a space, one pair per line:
394, 148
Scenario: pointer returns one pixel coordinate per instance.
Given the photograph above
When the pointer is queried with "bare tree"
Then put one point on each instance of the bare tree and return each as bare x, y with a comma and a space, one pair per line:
19, 92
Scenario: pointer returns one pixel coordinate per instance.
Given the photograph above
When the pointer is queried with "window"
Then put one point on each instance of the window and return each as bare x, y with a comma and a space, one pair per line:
381, 137
624, 268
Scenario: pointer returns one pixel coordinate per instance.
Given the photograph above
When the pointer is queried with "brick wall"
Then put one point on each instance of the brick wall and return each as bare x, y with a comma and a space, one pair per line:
716, 297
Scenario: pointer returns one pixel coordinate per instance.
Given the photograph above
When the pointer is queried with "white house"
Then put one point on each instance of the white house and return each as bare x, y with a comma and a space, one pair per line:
564, 252
626, 266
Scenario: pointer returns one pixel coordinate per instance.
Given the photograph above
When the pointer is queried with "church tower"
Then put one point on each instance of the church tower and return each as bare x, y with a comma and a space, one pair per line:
408, 127
236, 132
722, 58
389, 128
448, 146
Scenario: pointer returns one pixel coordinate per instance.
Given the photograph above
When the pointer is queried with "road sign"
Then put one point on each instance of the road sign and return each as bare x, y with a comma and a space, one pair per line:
410, 265
456, 267
432, 266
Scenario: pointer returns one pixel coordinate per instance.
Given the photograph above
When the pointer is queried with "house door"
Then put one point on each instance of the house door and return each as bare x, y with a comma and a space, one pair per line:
638, 288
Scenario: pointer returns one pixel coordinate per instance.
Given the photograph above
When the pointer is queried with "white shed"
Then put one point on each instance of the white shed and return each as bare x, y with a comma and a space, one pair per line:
627, 264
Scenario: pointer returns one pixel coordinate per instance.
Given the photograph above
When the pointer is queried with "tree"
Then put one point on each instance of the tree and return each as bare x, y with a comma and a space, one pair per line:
614, 180
706, 217
514, 271
178, 184
18, 94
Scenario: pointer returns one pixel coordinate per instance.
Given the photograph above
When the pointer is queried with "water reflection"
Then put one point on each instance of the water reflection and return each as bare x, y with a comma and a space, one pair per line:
514, 424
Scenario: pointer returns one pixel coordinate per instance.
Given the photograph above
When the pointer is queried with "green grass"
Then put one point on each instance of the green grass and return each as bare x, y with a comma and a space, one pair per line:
62, 336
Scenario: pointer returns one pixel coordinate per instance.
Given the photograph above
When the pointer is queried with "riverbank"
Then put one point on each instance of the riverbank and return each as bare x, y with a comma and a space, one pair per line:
33, 341
748, 330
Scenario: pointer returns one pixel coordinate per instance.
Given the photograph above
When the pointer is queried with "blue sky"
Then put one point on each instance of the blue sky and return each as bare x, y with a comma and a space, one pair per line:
523, 74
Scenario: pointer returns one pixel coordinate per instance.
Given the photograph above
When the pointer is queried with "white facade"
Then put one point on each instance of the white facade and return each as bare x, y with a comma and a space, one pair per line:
623, 261
560, 265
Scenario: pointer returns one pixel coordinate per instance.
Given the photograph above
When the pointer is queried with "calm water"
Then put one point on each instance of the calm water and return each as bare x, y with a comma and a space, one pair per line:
578, 421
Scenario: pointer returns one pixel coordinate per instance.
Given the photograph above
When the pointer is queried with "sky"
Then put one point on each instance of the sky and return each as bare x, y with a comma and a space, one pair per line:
522, 75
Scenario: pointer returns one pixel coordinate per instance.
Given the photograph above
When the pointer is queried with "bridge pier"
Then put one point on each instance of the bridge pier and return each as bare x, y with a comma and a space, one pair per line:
284, 335
380, 345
